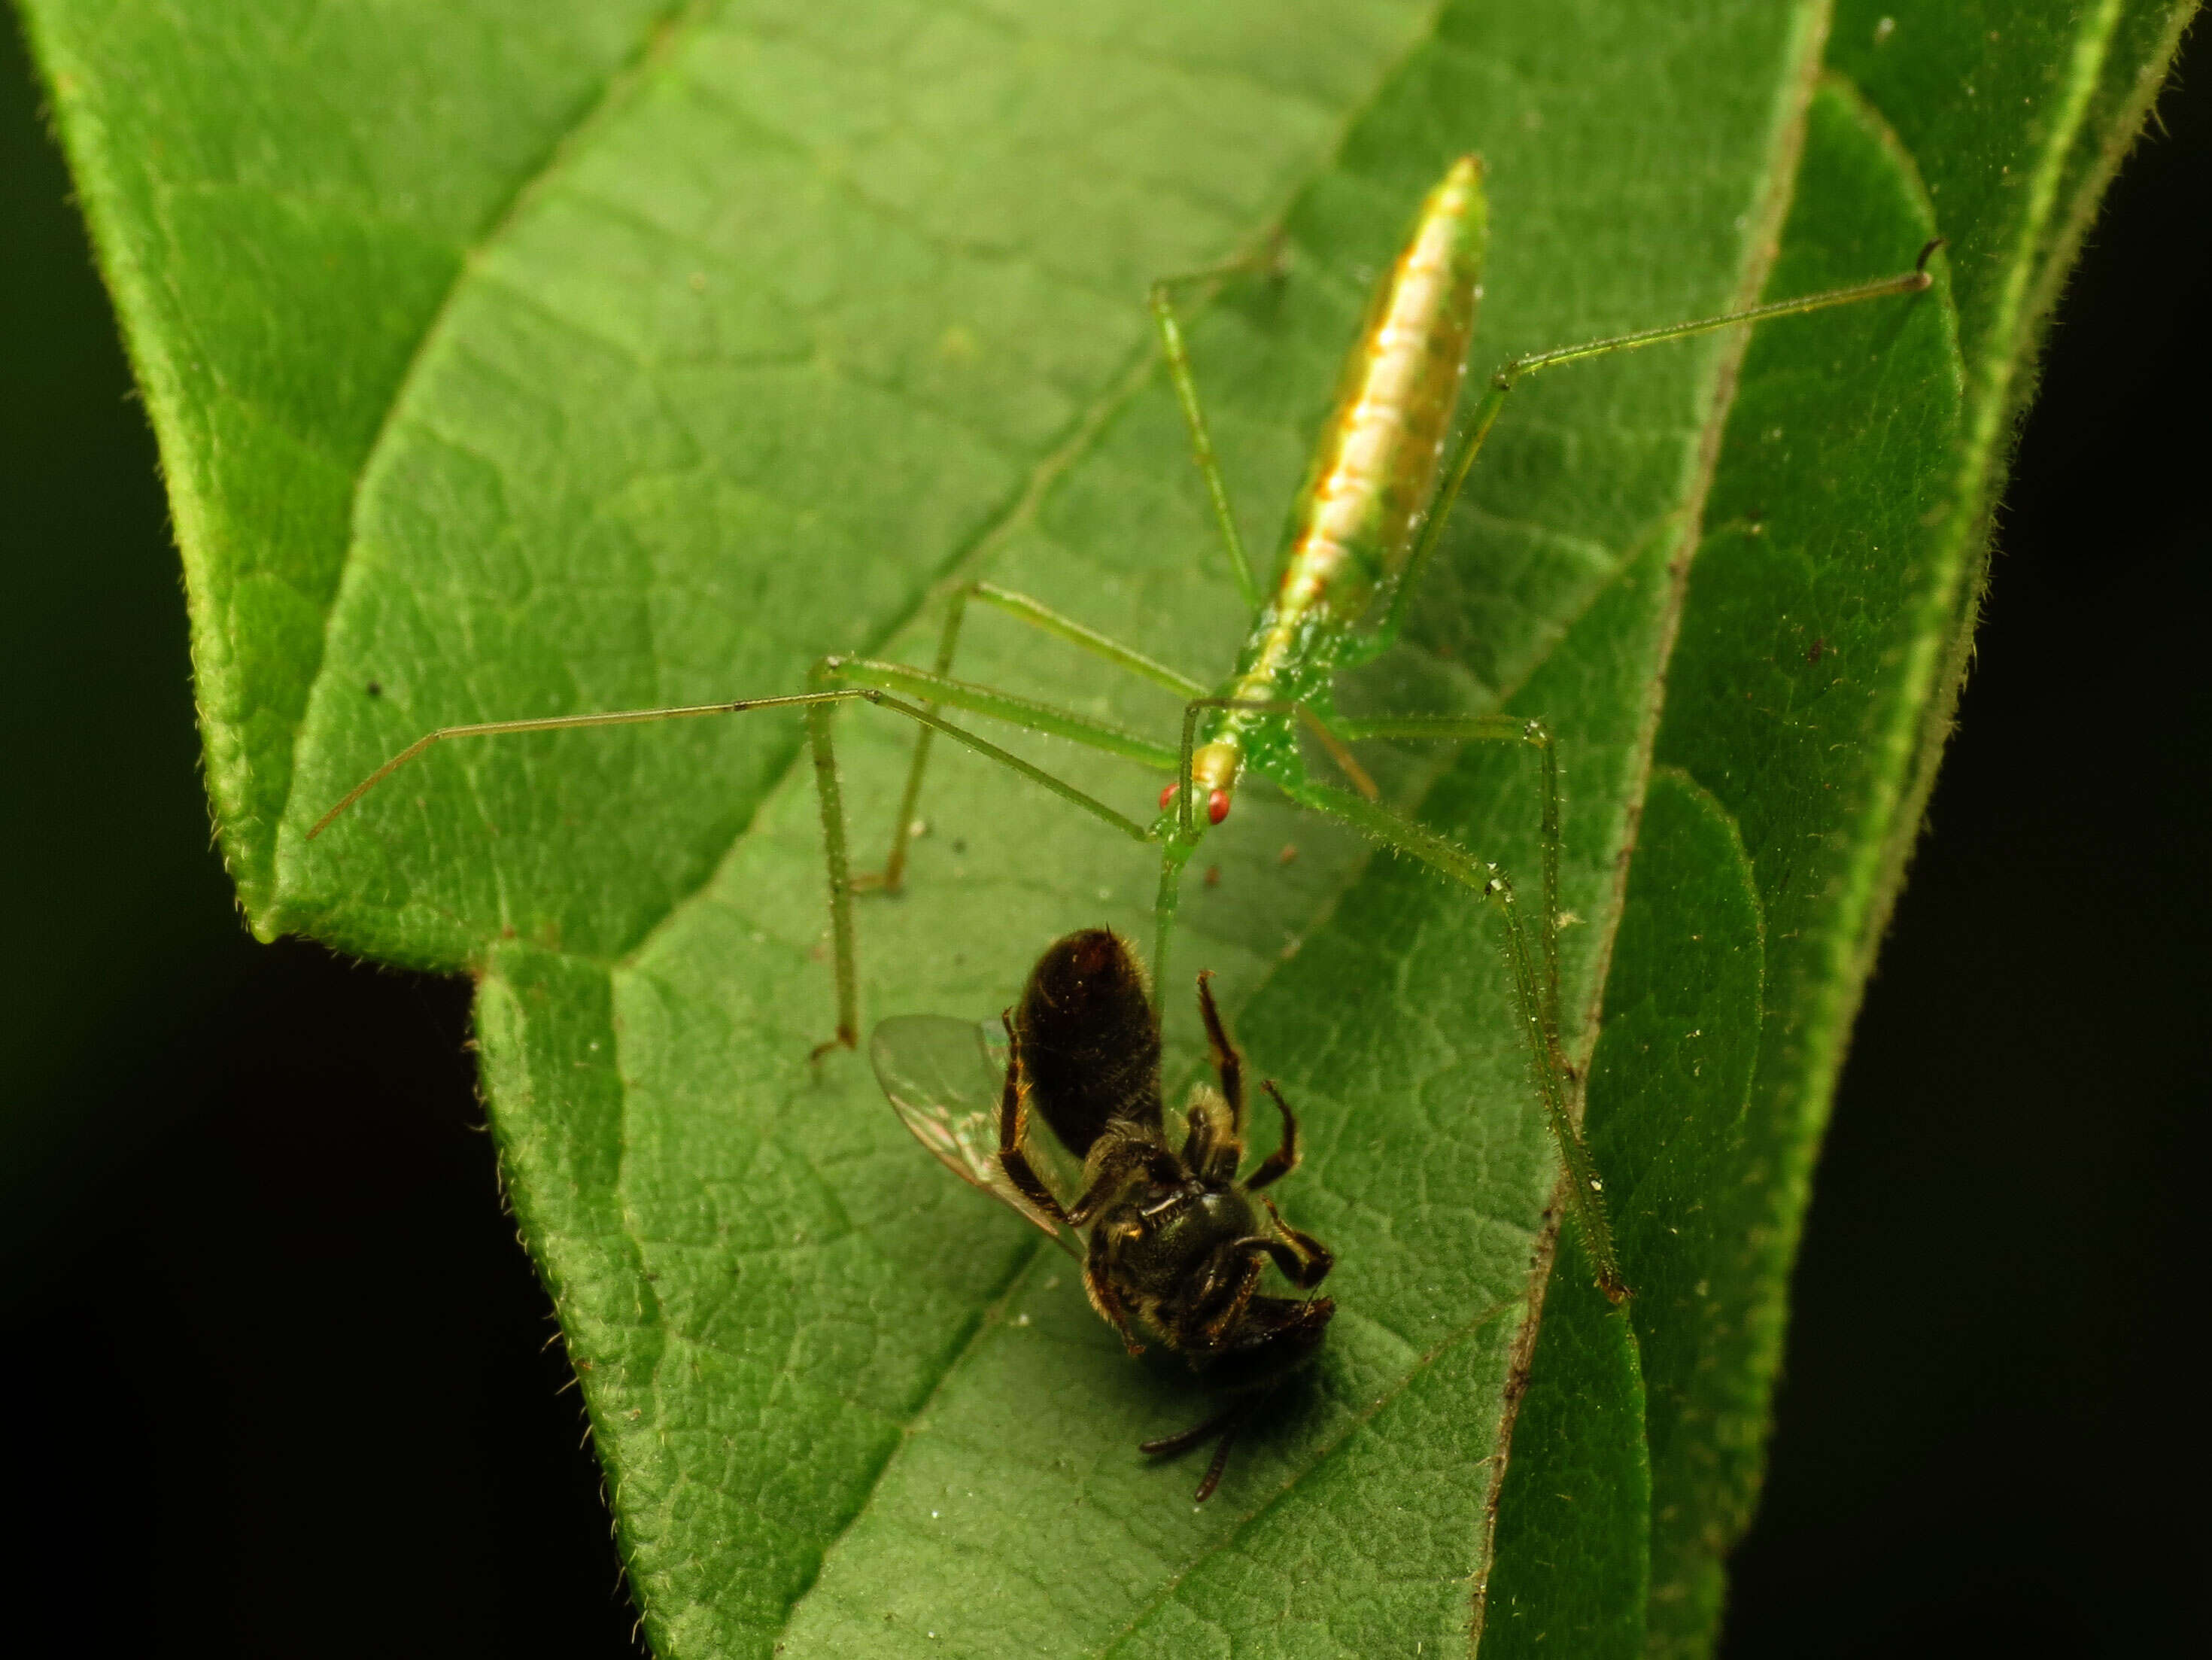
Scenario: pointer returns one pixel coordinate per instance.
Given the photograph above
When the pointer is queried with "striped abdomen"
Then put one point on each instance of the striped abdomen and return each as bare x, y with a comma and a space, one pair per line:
1375, 468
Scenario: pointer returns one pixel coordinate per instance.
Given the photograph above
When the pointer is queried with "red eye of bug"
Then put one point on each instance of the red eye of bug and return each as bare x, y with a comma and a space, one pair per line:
1217, 807
1167, 798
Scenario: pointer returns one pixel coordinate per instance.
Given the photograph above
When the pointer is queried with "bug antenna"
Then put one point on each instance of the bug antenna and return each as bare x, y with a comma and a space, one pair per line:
1927, 253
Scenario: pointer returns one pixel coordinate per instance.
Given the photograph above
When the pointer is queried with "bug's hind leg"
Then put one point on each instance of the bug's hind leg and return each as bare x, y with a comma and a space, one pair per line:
1585, 1189
1514, 370
1508, 729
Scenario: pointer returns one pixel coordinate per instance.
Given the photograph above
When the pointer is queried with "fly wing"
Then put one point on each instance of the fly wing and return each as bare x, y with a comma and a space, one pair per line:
943, 1077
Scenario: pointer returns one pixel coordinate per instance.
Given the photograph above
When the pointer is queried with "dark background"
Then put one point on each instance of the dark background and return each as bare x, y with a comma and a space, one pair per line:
278, 1377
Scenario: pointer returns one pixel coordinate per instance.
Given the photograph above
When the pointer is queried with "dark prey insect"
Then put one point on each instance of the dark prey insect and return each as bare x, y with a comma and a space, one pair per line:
1176, 1243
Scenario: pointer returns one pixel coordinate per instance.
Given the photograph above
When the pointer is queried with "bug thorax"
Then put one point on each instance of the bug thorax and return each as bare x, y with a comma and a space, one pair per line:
1288, 661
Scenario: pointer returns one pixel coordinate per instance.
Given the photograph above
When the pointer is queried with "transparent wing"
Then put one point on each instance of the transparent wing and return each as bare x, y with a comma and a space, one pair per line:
943, 1078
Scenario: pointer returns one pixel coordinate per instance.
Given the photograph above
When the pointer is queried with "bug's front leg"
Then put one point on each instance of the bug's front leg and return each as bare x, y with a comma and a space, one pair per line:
1585, 1190
1022, 609
893, 877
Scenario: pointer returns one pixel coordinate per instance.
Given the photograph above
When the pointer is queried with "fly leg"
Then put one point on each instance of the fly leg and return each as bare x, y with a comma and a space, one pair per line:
1306, 1261
1224, 1424
1272, 1338
1284, 1159
1013, 1131
1233, 1276
1099, 1288
1228, 1064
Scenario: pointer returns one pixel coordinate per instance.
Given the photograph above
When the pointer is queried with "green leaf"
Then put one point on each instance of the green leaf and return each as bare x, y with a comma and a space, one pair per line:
1823, 642
612, 356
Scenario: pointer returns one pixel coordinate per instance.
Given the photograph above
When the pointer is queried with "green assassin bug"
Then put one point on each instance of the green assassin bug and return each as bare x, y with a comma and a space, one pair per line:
1366, 522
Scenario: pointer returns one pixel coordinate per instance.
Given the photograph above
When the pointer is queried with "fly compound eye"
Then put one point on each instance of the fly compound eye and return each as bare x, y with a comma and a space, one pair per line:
1217, 807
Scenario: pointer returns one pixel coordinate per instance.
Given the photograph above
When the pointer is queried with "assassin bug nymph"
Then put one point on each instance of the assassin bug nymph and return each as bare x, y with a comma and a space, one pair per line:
1366, 524
1175, 1241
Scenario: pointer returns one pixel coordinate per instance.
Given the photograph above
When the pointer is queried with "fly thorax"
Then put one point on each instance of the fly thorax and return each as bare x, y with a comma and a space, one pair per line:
1163, 1235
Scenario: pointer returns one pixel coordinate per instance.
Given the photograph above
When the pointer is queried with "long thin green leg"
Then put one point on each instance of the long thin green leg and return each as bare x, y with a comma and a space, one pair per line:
1031, 714
829, 800
818, 705
893, 877
1065, 628
1042, 617
1038, 615
1585, 1187
1508, 728
566, 723
1185, 832
1193, 414
830, 796
1514, 370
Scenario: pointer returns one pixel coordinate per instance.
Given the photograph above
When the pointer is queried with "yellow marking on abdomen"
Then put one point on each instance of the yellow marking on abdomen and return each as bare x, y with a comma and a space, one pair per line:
1375, 467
